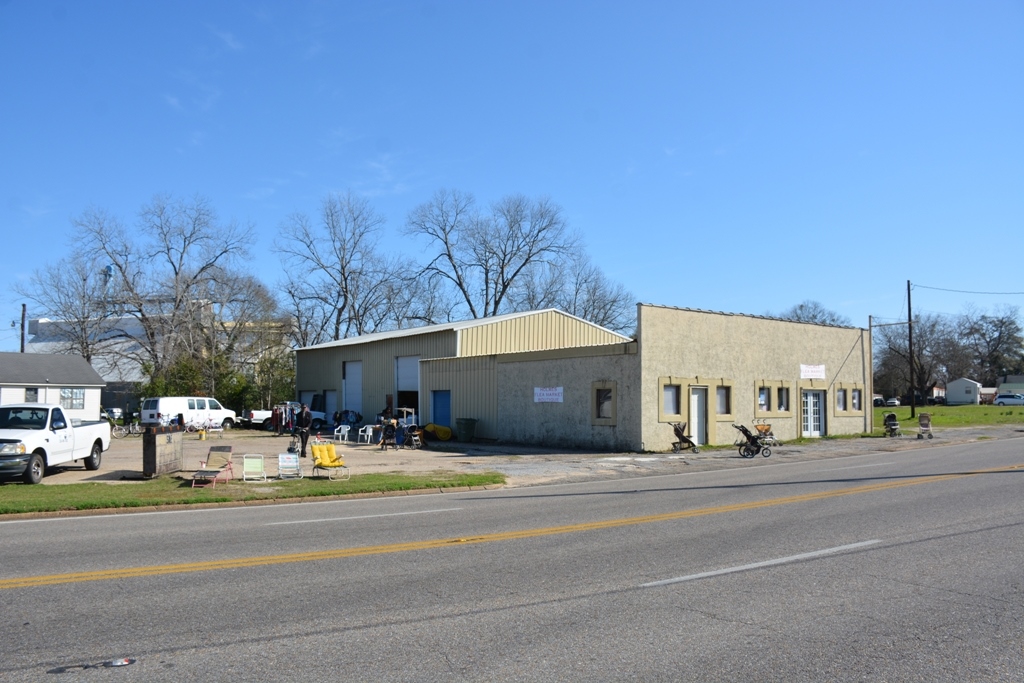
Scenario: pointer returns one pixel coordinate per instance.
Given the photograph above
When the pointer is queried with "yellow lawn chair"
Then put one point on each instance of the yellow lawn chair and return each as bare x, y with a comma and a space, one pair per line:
327, 459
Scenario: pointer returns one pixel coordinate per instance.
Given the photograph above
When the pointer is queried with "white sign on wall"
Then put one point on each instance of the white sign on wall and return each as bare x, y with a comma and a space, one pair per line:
812, 372
547, 394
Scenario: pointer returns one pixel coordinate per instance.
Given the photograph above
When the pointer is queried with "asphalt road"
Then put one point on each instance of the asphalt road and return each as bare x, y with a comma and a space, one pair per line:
886, 566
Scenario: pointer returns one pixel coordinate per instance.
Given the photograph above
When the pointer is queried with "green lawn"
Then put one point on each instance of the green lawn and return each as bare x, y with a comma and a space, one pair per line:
16, 497
954, 416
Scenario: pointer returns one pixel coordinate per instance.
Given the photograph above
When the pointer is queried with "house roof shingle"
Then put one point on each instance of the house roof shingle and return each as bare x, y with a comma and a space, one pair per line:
47, 368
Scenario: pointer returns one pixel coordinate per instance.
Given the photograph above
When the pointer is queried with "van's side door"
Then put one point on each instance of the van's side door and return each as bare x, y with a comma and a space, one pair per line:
202, 413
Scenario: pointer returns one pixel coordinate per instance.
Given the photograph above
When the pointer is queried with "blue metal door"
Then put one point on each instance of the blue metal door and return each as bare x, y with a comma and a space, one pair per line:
441, 408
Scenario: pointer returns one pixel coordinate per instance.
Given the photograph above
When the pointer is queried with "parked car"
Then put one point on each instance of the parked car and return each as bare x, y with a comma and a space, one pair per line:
892, 401
1009, 400
879, 401
936, 400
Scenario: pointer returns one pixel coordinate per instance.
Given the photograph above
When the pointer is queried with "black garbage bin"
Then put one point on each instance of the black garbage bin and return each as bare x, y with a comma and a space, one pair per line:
465, 429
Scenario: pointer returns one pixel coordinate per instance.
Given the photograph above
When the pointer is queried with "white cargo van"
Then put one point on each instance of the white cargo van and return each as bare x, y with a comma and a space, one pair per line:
195, 409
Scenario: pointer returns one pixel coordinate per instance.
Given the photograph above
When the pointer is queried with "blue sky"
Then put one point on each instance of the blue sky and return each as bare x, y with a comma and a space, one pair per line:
733, 156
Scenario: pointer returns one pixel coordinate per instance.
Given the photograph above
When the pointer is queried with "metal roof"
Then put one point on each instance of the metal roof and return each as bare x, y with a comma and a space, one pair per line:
448, 327
40, 369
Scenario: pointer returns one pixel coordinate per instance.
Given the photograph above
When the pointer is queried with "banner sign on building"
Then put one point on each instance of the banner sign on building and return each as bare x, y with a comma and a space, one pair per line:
547, 394
812, 372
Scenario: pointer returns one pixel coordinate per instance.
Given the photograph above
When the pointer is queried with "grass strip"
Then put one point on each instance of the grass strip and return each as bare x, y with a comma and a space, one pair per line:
172, 490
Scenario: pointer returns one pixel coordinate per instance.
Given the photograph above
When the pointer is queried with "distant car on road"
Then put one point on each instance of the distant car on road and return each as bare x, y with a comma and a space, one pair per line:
879, 401
893, 401
1009, 400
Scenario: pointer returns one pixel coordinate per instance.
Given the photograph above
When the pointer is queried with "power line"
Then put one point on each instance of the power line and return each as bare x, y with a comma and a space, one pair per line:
964, 291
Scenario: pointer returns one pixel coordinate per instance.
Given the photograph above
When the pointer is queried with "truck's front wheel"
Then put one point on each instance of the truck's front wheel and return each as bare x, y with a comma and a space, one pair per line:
36, 468
93, 461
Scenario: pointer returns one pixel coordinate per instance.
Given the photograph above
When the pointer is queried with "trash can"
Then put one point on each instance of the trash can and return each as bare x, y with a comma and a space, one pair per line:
465, 428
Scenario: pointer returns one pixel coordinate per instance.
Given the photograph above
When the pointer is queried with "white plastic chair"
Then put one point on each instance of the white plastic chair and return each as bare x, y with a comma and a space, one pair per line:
341, 433
365, 432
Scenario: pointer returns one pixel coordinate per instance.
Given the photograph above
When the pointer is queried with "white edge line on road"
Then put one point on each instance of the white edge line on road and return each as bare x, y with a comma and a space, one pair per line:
766, 563
345, 519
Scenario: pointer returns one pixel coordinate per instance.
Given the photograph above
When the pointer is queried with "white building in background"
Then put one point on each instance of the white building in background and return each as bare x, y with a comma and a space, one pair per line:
66, 380
962, 392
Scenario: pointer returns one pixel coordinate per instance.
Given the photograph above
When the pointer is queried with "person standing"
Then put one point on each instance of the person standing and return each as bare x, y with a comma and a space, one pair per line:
303, 422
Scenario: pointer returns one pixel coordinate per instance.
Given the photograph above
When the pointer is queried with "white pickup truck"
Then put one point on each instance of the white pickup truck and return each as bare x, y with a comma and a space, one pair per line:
34, 436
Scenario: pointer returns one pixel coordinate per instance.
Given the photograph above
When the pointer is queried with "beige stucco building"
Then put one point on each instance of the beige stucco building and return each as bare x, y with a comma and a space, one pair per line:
548, 378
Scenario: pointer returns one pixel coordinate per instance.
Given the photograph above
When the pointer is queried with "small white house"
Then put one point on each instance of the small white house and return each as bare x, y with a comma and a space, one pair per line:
963, 391
66, 380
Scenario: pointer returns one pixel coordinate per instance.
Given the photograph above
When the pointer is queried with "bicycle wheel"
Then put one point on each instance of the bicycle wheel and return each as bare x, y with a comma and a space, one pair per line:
118, 431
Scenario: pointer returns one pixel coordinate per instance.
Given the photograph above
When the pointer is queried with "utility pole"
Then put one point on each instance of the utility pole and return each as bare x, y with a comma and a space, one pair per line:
910, 345
24, 315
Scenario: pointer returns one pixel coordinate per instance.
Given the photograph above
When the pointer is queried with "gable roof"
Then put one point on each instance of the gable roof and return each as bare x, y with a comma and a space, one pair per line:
40, 369
451, 327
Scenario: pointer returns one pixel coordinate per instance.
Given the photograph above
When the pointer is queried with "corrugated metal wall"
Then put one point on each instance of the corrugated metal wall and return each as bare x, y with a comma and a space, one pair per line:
321, 369
537, 332
473, 383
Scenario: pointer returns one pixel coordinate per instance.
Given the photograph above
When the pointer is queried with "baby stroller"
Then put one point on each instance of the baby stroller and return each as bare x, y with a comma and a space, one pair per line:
682, 440
388, 433
892, 425
764, 433
753, 445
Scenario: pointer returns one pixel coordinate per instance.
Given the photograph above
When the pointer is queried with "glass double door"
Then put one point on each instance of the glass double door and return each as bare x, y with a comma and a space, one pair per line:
813, 413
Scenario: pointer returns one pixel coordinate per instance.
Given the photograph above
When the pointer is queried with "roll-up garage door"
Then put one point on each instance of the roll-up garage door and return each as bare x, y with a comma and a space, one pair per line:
408, 373
353, 396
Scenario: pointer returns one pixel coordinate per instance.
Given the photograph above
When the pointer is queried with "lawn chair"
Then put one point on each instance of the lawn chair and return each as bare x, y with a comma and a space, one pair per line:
288, 466
341, 433
252, 468
892, 425
924, 425
325, 458
216, 467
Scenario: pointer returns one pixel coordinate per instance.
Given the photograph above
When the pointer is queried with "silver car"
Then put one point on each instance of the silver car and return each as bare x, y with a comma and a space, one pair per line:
1009, 400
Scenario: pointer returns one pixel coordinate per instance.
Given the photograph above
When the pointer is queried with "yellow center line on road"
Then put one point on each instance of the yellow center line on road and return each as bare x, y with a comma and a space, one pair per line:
264, 560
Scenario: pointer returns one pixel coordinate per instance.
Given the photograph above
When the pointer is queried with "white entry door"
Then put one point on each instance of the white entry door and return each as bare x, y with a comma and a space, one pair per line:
699, 415
813, 413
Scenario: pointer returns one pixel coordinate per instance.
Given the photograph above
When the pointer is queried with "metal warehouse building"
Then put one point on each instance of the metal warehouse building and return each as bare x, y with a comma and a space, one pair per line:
549, 378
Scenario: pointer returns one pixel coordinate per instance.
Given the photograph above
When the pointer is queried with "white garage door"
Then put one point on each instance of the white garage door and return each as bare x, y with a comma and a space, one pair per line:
353, 386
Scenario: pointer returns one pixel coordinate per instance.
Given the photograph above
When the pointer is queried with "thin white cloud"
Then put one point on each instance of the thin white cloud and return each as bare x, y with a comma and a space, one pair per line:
228, 39
173, 101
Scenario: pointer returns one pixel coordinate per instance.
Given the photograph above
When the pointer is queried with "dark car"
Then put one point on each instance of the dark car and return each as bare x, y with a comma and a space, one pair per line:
879, 401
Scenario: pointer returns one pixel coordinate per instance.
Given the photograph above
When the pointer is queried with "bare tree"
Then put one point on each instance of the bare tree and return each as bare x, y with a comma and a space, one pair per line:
813, 312
483, 257
171, 267
74, 295
575, 285
932, 337
994, 341
344, 270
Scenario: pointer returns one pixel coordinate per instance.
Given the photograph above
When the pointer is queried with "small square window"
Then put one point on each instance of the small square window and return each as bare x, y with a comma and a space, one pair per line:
782, 405
604, 404
724, 401
32, 395
670, 400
